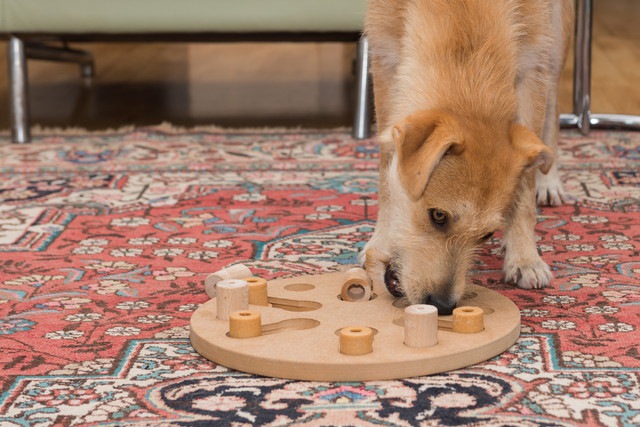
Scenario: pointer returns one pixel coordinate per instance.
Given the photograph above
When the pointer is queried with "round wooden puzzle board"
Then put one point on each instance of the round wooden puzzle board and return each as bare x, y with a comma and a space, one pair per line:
300, 339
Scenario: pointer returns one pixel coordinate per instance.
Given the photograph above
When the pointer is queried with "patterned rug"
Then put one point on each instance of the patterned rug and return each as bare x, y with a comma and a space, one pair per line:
106, 238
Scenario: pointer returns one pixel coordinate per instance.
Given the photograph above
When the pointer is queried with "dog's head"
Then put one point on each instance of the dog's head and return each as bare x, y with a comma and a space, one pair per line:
449, 186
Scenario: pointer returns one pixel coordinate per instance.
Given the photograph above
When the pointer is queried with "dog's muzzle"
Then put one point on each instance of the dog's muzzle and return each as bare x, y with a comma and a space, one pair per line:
444, 309
392, 283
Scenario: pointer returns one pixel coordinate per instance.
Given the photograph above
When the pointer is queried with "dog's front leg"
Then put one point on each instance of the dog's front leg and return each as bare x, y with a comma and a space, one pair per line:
522, 264
549, 186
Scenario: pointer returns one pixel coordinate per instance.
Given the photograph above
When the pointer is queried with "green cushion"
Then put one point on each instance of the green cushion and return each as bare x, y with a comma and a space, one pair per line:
180, 16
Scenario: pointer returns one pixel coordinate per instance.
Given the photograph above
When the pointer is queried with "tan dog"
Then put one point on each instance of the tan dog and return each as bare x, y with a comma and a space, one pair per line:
464, 91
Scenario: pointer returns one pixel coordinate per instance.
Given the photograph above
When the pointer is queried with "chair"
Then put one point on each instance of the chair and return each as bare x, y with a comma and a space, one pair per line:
582, 118
31, 25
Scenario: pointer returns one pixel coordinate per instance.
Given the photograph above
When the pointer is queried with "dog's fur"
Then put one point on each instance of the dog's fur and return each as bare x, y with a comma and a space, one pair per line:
465, 93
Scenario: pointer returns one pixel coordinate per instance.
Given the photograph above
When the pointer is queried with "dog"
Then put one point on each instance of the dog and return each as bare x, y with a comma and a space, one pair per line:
466, 109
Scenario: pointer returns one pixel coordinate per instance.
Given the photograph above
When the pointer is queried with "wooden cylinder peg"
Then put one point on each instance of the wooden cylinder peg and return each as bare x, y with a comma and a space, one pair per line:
468, 320
245, 324
231, 295
356, 340
420, 325
356, 285
257, 291
238, 271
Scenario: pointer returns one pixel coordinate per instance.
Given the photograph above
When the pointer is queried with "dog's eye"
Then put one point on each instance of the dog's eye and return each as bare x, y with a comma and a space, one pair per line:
487, 236
438, 217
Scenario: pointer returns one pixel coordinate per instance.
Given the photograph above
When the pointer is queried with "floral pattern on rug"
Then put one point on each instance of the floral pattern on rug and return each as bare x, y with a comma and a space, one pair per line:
106, 238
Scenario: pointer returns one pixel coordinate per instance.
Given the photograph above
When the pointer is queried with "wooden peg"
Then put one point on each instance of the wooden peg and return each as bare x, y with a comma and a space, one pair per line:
232, 295
356, 285
237, 271
468, 320
420, 325
245, 324
257, 291
356, 340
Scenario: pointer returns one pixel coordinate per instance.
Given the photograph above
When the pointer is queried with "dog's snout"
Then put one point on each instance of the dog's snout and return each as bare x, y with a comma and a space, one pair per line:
392, 282
444, 307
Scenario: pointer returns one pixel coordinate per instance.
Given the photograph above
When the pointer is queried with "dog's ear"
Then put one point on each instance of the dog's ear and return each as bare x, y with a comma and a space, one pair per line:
535, 153
421, 140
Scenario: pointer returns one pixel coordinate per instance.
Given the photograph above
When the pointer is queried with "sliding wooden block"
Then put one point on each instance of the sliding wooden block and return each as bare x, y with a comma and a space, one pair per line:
257, 291
356, 285
231, 295
245, 324
468, 320
356, 340
238, 271
420, 325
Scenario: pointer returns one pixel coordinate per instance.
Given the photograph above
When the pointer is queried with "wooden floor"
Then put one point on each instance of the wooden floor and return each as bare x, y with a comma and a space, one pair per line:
266, 84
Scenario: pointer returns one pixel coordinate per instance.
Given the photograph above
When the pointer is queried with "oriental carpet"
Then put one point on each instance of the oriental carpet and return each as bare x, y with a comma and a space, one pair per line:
106, 238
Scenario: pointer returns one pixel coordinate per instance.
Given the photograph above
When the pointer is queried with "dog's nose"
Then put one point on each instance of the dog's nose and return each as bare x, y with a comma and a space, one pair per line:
444, 308
392, 282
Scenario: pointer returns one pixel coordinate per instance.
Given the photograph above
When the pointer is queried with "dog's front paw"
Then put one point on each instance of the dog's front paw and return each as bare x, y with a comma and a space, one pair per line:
529, 276
549, 191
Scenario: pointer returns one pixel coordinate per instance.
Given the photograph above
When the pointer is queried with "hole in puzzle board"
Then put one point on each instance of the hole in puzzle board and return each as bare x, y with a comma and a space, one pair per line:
400, 303
294, 305
299, 287
298, 324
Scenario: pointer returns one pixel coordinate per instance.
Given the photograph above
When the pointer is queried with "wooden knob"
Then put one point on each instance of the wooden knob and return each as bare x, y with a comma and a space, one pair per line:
238, 271
468, 320
420, 325
257, 291
356, 285
356, 340
245, 324
232, 295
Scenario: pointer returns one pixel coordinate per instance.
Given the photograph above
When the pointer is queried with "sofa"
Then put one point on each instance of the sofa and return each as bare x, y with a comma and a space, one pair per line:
33, 28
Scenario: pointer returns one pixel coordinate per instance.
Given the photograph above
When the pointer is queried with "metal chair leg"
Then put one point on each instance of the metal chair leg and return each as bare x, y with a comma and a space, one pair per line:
362, 120
582, 65
62, 54
18, 91
583, 118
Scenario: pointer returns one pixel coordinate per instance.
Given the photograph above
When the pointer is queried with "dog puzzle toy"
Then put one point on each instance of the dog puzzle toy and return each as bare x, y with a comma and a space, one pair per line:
310, 331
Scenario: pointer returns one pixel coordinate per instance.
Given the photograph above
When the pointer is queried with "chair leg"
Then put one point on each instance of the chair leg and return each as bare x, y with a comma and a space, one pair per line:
582, 65
18, 91
62, 54
362, 120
